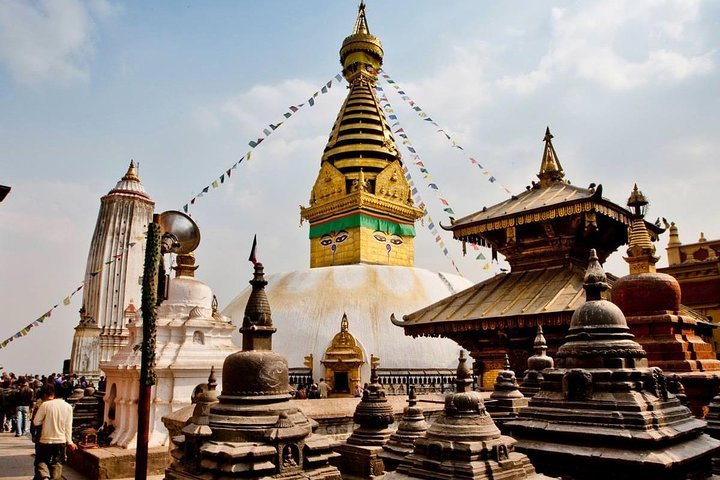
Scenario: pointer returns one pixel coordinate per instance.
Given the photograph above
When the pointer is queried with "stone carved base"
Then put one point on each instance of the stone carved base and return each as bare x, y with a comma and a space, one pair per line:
359, 462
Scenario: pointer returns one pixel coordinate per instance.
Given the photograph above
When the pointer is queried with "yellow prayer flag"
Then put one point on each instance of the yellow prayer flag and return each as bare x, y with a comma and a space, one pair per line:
215, 184
66, 301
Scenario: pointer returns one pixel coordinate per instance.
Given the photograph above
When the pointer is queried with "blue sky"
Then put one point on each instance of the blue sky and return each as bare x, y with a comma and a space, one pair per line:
628, 88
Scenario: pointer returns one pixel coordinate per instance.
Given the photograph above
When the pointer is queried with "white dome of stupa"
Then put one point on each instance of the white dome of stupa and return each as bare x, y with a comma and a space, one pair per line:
308, 305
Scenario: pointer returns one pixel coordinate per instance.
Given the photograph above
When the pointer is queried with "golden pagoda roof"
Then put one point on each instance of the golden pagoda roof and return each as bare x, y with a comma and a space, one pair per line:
544, 296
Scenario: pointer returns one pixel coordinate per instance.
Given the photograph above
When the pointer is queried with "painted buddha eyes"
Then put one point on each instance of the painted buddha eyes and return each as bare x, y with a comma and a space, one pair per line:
386, 237
334, 237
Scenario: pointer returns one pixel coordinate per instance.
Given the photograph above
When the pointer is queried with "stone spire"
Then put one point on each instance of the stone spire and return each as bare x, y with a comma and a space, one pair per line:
373, 415
464, 442
411, 427
257, 327
506, 398
361, 454
550, 169
532, 380
602, 412
361, 202
641, 251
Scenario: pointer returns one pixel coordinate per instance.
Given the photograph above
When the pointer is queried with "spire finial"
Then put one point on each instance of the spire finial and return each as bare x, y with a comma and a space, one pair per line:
463, 378
507, 362
212, 381
550, 169
257, 327
641, 251
361, 26
131, 174
595, 281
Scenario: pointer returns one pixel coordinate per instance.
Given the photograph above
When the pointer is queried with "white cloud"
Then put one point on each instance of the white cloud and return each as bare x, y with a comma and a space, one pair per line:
619, 45
51, 40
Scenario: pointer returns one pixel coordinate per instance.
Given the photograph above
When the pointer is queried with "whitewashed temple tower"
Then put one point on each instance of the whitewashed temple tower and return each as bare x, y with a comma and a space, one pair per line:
114, 267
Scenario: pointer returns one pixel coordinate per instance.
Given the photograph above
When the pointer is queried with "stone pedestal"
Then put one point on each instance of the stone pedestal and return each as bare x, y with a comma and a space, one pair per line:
359, 461
411, 427
116, 462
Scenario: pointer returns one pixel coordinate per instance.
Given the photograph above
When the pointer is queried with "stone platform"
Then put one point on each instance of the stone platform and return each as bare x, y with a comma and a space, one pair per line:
116, 462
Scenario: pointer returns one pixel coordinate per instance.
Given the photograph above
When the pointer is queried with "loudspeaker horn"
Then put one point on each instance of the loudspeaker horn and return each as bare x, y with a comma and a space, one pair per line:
183, 230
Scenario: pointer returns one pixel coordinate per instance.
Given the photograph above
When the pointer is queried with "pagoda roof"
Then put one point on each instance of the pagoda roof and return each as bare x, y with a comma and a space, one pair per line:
523, 299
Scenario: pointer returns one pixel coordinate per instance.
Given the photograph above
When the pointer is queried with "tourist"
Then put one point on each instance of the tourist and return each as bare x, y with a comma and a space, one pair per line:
313, 393
358, 390
24, 400
323, 388
54, 416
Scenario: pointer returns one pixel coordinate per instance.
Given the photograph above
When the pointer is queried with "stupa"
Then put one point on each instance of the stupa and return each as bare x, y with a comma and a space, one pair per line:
255, 431
464, 443
533, 378
506, 400
192, 337
114, 265
651, 303
602, 413
360, 454
411, 427
361, 217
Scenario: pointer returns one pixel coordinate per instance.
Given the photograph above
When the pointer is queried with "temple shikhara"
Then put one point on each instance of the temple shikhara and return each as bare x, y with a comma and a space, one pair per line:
553, 369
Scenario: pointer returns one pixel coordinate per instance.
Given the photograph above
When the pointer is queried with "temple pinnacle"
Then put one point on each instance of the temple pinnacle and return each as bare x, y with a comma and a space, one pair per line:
550, 169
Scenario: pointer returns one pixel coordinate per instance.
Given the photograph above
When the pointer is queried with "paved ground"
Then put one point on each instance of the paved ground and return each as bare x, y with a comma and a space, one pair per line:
17, 455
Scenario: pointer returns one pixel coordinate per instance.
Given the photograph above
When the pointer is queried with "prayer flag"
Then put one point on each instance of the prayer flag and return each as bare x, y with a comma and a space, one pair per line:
480, 257
287, 114
329, 84
338, 77
205, 190
274, 127
486, 266
323, 90
449, 210
433, 186
222, 178
311, 101
411, 149
247, 156
266, 132
185, 208
492, 179
192, 202
228, 171
66, 301
293, 108
253, 253
215, 184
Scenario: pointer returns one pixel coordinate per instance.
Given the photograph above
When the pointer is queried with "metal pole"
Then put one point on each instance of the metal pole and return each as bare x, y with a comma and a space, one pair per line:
147, 368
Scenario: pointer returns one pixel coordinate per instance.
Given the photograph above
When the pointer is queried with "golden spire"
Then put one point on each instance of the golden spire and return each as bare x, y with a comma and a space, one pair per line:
131, 174
361, 194
550, 169
641, 251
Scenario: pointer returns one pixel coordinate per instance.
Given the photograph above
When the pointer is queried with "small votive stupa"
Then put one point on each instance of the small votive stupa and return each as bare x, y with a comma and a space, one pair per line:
464, 443
533, 377
602, 413
411, 427
506, 400
255, 431
360, 454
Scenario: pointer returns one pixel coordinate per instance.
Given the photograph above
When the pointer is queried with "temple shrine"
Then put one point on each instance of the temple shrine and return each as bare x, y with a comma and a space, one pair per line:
602, 412
545, 234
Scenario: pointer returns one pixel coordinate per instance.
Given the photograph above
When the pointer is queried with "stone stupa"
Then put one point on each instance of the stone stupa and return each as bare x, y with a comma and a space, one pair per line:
602, 413
533, 377
411, 427
255, 431
506, 400
464, 443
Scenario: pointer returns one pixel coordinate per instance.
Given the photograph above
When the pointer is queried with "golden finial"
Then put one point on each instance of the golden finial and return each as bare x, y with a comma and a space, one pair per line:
641, 251
550, 169
131, 174
361, 26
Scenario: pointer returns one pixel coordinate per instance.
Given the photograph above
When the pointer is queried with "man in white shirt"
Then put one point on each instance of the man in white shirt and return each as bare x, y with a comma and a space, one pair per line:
55, 417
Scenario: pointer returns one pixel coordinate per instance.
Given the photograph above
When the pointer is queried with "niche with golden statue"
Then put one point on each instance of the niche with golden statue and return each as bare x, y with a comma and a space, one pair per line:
343, 360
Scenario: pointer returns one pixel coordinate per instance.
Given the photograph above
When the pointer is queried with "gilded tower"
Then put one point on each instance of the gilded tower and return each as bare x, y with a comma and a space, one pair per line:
361, 208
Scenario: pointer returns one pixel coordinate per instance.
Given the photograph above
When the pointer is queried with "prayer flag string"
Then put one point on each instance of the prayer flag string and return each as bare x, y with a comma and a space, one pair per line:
67, 300
425, 117
266, 132
431, 183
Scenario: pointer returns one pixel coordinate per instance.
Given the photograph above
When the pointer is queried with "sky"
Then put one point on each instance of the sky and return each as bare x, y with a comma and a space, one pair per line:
629, 89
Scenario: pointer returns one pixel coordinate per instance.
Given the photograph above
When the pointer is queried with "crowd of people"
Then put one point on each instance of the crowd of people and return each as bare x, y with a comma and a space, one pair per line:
35, 405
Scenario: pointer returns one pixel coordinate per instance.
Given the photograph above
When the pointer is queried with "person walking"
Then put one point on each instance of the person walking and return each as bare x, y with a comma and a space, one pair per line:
55, 417
323, 388
24, 400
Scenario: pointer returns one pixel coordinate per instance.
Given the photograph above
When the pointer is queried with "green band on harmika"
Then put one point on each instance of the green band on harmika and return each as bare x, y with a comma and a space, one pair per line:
360, 220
